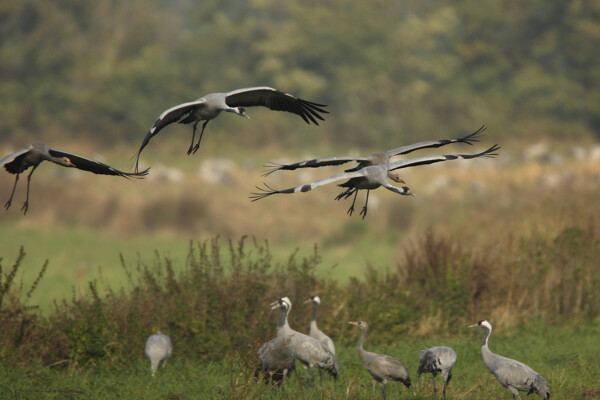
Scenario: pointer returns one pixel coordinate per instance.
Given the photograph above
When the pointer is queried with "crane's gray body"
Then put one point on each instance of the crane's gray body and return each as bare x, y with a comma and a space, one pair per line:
158, 348
440, 359
382, 368
309, 351
276, 358
513, 375
314, 330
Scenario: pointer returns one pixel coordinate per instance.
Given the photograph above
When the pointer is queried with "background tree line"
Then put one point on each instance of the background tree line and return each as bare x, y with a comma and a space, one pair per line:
104, 70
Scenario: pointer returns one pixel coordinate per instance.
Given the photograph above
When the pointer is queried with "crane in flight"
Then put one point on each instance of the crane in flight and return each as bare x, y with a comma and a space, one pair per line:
209, 107
33, 155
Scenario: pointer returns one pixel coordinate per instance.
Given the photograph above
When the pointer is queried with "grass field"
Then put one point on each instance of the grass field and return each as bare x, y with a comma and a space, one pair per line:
568, 357
524, 217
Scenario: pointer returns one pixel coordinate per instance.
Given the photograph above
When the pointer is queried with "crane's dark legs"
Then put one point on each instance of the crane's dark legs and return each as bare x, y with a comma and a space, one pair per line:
9, 202
197, 146
351, 209
383, 390
26, 204
191, 148
434, 388
364, 210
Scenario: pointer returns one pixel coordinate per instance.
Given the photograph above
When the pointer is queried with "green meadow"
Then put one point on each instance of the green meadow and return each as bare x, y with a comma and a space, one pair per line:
567, 356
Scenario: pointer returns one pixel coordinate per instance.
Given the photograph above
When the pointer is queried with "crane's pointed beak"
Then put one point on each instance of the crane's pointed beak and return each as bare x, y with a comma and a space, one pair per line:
243, 113
353, 323
473, 326
307, 301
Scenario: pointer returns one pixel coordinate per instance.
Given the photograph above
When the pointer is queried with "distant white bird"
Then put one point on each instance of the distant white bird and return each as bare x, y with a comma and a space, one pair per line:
34, 154
372, 177
382, 368
158, 348
375, 158
210, 106
513, 375
437, 359
309, 351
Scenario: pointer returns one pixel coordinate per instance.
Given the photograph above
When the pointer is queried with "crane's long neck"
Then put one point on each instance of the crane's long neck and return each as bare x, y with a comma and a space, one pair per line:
282, 322
485, 350
313, 319
363, 335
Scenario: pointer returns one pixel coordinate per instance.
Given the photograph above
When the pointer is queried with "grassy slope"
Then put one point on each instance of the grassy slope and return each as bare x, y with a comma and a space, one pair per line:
566, 356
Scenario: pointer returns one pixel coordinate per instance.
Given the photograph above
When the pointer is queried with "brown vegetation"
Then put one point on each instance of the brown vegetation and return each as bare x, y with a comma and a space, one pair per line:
219, 302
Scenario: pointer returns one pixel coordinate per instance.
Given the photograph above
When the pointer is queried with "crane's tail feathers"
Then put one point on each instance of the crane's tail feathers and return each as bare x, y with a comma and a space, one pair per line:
540, 386
427, 362
473, 137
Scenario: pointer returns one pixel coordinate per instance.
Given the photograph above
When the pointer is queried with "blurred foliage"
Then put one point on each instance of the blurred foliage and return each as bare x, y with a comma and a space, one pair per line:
104, 70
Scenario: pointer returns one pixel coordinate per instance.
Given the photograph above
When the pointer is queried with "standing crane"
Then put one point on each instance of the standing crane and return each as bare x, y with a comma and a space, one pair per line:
372, 177
314, 330
158, 348
276, 359
210, 106
513, 375
381, 367
32, 156
309, 351
375, 158
440, 359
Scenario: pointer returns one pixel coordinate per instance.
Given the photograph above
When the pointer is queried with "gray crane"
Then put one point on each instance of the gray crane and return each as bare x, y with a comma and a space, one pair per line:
439, 359
32, 155
382, 368
210, 106
276, 360
315, 332
309, 351
375, 158
158, 348
513, 375
372, 177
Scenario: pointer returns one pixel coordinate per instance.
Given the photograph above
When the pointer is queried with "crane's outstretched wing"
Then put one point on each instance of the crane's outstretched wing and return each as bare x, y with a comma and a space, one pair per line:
469, 139
174, 114
314, 163
413, 162
276, 100
267, 190
88, 164
4, 162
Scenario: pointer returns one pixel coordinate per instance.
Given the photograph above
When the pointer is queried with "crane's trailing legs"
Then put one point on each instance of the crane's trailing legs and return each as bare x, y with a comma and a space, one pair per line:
9, 202
363, 212
26, 204
197, 146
